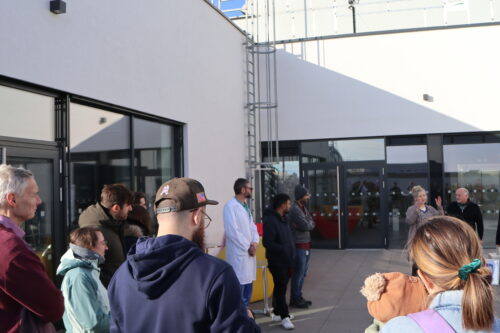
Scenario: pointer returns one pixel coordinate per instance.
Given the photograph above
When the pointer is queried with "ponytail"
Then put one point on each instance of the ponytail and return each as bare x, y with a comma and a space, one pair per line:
477, 301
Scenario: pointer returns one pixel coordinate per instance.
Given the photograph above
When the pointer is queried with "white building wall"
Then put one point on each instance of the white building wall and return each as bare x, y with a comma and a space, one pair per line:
176, 59
373, 85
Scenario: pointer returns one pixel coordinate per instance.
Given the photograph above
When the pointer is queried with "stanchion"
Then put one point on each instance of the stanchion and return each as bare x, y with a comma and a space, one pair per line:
262, 264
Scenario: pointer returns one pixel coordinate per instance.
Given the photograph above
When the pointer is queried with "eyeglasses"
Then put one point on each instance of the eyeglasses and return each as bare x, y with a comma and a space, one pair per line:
249, 187
206, 219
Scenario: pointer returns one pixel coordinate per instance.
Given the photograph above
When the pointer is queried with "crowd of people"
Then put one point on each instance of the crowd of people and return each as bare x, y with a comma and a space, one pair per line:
116, 277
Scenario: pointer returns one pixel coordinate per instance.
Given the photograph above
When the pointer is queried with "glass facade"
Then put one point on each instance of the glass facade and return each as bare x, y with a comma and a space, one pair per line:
18, 105
477, 168
406, 167
154, 157
361, 188
99, 152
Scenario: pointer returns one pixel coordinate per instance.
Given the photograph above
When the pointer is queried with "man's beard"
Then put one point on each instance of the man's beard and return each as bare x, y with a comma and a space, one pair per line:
248, 195
199, 236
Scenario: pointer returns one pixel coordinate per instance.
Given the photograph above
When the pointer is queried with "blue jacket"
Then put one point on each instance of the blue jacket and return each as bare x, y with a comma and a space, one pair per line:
447, 304
167, 284
85, 299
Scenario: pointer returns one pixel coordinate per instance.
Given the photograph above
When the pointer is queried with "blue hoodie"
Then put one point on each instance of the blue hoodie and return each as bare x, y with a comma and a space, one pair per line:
167, 284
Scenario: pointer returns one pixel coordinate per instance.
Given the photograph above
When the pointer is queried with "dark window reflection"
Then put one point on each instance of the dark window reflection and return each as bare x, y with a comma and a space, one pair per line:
100, 154
153, 156
477, 168
406, 167
343, 150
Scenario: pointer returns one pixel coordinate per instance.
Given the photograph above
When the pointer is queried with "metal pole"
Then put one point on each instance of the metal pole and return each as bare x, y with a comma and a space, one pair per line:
353, 8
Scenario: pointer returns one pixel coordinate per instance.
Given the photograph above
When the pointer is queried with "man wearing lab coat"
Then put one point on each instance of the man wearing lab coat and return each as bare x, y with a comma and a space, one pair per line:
241, 237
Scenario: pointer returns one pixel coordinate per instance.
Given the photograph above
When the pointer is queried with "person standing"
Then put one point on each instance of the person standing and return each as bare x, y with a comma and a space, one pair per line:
302, 223
25, 288
109, 215
241, 237
168, 284
420, 211
85, 298
467, 211
280, 253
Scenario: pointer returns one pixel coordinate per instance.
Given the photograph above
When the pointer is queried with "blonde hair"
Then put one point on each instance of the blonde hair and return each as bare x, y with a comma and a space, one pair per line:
415, 190
440, 247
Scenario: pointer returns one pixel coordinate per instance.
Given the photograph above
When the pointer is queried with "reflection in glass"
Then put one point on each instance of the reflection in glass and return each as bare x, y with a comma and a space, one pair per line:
476, 168
282, 179
364, 224
324, 207
100, 154
18, 105
406, 167
343, 150
39, 229
153, 157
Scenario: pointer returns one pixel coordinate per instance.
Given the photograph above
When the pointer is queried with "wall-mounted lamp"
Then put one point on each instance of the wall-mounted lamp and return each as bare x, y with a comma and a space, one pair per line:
58, 7
428, 98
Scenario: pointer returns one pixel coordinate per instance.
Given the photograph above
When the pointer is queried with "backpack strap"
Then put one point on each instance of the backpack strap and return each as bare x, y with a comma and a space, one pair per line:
430, 321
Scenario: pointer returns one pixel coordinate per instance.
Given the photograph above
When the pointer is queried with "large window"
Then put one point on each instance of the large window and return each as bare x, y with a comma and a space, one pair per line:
100, 154
343, 150
154, 156
406, 167
477, 168
26, 115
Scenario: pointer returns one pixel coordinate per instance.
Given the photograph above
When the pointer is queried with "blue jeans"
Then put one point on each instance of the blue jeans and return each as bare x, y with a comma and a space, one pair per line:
300, 272
246, 293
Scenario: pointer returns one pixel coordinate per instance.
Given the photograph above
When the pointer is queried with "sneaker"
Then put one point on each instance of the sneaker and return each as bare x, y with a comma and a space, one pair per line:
277, 318
287, 324
306, 301
298, 303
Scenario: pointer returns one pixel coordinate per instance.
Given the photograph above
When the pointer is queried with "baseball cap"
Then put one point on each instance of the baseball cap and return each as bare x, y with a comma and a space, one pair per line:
179, 194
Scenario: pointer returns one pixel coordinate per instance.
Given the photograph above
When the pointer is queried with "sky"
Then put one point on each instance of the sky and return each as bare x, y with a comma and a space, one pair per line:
229, 4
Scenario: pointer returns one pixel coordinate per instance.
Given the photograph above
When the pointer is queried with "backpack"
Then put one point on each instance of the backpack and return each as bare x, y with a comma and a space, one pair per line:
431, 322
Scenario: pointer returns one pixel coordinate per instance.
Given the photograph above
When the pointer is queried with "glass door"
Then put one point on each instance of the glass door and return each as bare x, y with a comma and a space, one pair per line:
323, 184
364, 223
41, 232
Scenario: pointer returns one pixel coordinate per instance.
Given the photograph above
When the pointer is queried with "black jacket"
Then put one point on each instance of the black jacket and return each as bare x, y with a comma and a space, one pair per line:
278, 239
471, 214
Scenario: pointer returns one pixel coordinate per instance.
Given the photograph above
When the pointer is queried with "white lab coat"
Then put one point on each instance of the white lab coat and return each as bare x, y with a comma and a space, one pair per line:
240, 232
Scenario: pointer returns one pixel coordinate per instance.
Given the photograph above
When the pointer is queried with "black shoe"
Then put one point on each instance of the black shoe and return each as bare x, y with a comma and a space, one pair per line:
298, 303
309, 303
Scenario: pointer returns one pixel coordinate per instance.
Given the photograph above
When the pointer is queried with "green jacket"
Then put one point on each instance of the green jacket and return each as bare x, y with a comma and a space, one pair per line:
85, 298
112, 231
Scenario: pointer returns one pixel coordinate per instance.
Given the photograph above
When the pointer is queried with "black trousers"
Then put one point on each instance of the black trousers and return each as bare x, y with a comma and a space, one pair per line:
280, 279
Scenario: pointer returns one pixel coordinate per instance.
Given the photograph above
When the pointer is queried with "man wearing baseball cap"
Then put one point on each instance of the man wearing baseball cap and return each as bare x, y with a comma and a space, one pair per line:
168, 283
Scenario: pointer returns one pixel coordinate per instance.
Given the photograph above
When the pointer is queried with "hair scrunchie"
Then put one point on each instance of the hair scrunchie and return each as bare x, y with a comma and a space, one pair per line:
463, 273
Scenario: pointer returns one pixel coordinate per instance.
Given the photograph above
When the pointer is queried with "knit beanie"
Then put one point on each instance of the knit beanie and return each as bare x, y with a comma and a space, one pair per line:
300, 191
395, 294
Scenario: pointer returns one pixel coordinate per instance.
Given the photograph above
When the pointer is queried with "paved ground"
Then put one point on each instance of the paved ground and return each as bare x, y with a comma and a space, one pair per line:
333, 284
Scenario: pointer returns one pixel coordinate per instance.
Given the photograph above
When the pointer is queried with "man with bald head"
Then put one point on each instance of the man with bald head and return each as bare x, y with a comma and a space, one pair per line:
467, 211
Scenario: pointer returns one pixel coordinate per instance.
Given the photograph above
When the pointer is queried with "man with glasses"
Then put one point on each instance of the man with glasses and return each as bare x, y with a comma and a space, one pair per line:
168, 283
241, 237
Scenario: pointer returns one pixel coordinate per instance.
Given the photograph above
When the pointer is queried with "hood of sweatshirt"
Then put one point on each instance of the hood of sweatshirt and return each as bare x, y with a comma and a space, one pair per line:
69, 261
156, 263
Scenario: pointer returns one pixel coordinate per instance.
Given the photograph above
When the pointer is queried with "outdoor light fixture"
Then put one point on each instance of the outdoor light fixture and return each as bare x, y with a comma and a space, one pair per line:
58, 7
428, 98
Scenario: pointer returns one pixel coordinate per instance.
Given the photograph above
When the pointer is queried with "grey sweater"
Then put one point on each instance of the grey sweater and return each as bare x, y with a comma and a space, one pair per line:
415, 217
301, 223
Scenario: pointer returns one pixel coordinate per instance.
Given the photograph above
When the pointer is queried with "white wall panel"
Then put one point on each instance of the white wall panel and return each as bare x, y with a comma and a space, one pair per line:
176, 59
374, 85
